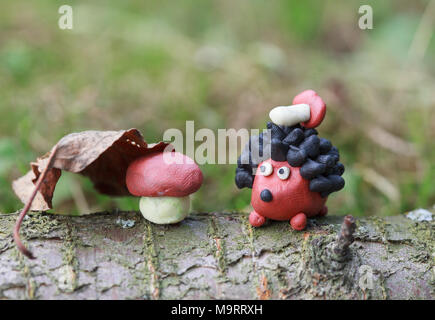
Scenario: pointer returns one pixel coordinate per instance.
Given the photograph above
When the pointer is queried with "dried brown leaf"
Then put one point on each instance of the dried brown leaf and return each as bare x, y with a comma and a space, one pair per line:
103, 156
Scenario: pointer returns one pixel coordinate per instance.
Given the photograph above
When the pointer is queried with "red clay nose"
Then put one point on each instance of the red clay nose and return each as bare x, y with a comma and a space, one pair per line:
266, 195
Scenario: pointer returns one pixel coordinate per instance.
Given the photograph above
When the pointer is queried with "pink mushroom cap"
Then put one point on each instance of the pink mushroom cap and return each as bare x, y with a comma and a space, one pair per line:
154, 176
317, 107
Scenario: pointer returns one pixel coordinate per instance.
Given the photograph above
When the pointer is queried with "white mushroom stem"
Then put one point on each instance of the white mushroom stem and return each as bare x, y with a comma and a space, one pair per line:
165, 210
290, 115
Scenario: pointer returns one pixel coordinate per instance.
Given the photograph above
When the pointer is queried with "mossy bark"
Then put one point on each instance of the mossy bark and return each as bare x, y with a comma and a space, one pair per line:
119, 255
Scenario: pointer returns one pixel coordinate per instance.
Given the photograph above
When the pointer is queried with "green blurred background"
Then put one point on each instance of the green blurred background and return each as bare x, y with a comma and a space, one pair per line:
153, 65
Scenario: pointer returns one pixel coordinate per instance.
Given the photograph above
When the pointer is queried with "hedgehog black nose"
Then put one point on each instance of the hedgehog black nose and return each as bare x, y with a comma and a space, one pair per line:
266, 195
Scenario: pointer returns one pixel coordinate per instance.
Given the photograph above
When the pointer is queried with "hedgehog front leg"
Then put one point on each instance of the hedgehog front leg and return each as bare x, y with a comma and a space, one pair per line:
323, 212
299, 221
255, 219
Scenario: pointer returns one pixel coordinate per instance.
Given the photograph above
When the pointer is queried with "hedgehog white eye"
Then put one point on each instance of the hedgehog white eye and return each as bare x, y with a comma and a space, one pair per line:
266, 169
283, 173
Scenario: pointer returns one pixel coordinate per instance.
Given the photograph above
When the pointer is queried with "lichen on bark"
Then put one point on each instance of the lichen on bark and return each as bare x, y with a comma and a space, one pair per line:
215, 256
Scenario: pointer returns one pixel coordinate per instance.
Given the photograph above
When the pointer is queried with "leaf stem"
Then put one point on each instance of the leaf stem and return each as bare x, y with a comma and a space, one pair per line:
21, 247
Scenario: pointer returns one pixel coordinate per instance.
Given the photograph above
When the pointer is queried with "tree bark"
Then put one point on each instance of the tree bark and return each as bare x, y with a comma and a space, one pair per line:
120, 255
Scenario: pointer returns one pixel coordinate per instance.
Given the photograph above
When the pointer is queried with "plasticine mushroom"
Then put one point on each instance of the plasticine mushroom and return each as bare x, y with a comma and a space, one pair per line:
164, 182
308, 109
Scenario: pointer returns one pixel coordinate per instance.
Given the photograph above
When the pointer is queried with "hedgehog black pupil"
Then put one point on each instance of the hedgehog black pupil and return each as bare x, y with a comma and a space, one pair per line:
281, 171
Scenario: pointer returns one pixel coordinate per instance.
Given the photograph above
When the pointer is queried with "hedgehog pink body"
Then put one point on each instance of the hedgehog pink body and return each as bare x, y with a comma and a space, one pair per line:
284, 197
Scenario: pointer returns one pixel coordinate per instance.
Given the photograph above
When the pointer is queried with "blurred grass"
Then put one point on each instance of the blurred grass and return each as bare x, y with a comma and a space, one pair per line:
224, 64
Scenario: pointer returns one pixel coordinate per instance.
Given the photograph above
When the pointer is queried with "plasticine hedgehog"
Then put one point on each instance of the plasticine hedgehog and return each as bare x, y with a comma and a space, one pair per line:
290, 169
